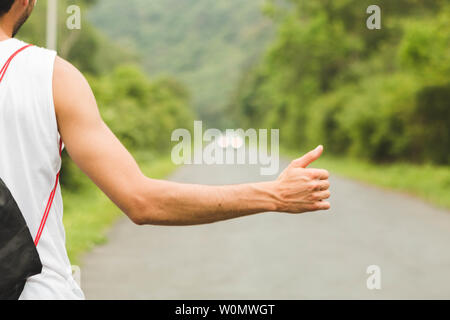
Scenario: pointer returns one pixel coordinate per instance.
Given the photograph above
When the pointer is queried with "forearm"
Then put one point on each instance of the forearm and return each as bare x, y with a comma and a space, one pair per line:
170, 203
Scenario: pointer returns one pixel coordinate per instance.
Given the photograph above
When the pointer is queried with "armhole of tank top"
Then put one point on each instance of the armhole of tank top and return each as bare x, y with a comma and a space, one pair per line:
51, 103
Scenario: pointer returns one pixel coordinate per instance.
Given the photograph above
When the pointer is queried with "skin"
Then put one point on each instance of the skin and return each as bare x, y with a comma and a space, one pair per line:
98, 153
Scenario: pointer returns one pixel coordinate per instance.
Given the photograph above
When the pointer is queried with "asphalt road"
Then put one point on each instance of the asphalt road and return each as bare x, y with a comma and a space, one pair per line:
279, 256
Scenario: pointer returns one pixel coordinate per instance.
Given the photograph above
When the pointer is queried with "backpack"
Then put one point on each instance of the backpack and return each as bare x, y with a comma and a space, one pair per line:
19, 258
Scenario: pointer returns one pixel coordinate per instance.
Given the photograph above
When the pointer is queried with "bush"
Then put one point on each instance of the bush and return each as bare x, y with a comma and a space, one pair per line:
326, 81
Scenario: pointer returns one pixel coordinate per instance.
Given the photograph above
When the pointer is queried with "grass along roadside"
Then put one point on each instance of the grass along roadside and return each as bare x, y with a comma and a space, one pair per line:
428, 182
88, 214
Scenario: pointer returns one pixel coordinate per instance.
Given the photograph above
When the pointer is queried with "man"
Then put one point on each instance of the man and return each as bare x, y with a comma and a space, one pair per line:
46, 104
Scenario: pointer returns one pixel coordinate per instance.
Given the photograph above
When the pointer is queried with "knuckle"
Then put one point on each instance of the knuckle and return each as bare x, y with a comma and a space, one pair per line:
312, 186
309, 173
306, 172
305, 178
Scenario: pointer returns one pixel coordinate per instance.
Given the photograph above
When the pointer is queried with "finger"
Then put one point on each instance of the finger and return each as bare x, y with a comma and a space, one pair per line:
321, 195
322, 185
308, 158
320, 174
319, 205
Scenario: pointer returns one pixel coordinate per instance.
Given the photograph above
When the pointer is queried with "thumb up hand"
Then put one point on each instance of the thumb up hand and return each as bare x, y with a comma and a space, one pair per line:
300, 189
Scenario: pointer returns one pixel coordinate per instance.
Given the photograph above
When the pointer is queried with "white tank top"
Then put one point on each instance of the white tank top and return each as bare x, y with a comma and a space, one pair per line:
30, 162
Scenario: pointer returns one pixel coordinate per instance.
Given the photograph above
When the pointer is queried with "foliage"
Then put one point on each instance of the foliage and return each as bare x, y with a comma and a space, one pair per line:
142, 113
381, 95
203, 43
87, 48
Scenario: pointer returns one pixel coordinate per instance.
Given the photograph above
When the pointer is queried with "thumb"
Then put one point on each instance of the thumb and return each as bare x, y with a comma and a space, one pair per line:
308, 158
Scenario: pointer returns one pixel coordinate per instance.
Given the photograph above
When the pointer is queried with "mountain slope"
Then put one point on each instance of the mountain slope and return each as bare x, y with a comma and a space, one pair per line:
205, 43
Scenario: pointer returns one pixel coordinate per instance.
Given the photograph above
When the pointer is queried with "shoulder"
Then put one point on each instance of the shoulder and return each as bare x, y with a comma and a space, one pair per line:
71, 91
65, 70
68, 78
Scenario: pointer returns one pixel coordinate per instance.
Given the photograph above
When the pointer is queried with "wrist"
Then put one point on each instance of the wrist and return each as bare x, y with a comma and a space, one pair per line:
271, 201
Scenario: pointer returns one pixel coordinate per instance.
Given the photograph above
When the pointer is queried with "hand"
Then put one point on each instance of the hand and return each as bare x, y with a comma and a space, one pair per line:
299, 189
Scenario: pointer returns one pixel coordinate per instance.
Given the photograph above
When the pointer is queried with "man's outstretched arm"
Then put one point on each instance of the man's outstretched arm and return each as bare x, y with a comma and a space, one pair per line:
95, 149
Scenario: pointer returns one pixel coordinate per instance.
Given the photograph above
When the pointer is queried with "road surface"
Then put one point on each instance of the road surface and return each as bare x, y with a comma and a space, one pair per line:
279, 256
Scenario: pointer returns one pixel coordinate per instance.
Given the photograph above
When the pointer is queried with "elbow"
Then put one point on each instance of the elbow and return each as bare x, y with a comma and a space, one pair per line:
140, 200
144, 211
150, 206
137, 219
137, 210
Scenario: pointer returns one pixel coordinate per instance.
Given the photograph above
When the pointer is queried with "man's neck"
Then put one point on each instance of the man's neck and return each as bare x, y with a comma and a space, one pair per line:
5, 31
